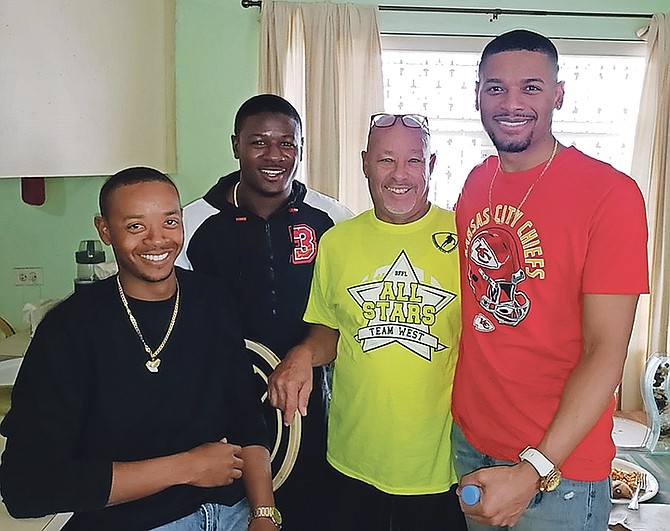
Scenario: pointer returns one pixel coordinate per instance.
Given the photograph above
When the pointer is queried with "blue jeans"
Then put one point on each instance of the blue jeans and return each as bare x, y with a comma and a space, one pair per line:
212, 517
573, 506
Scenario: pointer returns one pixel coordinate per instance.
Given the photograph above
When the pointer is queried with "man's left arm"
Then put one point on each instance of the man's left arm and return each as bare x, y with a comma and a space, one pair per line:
257, 479
607, 321
248, 429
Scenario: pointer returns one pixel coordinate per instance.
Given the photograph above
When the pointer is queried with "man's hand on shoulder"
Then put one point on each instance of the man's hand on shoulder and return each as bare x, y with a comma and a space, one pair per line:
291, 383
506, 493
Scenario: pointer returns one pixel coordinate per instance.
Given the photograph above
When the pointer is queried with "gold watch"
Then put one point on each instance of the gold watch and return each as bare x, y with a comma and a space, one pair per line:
267, 512
550, 476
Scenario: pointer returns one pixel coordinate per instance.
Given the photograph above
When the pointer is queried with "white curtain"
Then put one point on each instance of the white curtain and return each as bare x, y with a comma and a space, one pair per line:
326, 60
651, 170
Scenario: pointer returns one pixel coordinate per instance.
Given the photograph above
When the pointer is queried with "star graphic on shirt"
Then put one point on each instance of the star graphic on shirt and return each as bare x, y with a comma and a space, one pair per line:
403, 306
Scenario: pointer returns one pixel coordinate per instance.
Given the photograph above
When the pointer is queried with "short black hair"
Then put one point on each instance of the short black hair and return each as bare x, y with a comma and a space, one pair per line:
135, 175
265, 103
521, 40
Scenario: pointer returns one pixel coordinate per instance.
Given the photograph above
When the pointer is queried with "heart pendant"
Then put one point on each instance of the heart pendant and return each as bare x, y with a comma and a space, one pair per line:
152, 365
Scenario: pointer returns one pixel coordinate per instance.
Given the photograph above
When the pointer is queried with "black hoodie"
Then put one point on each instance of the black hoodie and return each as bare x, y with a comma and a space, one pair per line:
267, 264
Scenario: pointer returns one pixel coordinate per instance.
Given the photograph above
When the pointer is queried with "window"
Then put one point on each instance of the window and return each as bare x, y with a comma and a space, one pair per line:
436, 77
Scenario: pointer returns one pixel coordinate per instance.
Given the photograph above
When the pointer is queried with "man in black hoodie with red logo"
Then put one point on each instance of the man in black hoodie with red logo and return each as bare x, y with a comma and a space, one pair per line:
258, 229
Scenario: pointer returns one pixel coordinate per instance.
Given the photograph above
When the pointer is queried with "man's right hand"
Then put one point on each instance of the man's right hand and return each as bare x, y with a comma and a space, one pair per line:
215, 464
208, 465
506, 493
291, 383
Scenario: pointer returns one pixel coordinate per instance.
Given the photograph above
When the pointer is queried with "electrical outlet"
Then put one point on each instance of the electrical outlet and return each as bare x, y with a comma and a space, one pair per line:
28, 276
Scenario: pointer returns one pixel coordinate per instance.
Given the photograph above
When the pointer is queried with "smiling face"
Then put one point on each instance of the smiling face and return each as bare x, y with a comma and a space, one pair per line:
143, 224
398, 165
517, 93
269, 148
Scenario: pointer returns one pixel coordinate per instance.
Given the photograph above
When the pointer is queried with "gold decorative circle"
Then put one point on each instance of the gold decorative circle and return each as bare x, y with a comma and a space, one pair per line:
287, 439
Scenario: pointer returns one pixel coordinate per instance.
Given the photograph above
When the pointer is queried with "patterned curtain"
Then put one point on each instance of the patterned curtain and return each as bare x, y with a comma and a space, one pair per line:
326, 60
651, 169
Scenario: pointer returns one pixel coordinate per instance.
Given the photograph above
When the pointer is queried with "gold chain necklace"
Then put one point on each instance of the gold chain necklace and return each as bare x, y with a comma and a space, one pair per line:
154, 361
530, 188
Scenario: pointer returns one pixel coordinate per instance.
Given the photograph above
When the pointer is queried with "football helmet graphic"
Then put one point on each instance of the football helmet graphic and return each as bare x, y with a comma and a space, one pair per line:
494, 274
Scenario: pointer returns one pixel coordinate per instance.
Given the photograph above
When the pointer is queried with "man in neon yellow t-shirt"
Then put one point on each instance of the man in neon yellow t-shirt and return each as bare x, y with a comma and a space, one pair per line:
384, 305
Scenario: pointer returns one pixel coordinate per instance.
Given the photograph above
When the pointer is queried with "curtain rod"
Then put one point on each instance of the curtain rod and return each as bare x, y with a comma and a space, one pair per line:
494, 12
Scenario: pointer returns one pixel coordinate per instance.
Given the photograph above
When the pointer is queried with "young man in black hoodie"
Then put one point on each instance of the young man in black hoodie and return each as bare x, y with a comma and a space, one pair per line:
258, 229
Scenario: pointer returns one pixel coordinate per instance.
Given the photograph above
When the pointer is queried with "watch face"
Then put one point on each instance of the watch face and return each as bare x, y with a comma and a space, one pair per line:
550, 482
276, 516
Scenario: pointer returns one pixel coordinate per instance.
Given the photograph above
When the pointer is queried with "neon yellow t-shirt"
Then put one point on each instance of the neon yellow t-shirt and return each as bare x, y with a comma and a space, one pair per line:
393, 293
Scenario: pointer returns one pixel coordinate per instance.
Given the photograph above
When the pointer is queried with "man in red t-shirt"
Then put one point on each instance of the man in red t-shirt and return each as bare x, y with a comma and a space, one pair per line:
553, 258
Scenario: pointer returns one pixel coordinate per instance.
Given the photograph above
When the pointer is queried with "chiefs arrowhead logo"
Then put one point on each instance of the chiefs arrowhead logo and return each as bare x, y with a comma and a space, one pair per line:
481, 323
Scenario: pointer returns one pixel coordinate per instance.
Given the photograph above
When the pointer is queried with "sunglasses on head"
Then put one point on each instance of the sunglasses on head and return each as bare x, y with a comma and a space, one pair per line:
413, 121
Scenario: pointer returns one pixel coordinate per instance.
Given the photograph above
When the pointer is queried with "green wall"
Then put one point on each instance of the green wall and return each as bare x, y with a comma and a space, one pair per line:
216, 62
